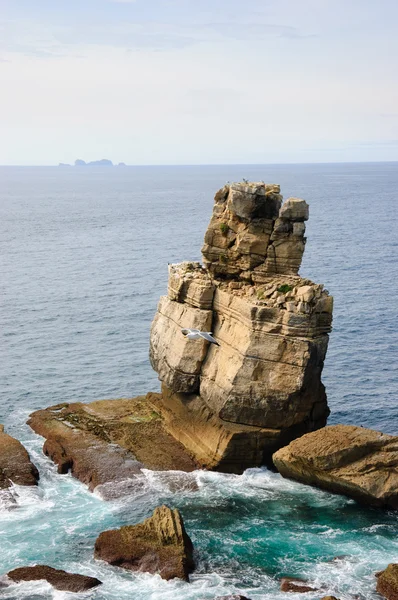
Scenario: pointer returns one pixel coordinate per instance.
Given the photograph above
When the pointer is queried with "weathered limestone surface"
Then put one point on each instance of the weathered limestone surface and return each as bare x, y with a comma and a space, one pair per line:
15, 464
271, 326
158, 545
387, 582
108, 440
358, 462
267, 369
60, 580
251, 235
179, 367
215, 443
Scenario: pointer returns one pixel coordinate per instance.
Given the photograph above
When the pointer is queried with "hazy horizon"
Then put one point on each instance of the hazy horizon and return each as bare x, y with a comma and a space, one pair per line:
157, 82
342, 162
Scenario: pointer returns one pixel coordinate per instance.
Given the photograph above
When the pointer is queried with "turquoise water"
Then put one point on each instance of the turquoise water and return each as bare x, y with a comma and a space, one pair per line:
83, 261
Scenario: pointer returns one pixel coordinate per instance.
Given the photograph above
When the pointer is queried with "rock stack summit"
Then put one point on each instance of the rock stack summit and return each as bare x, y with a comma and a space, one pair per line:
231, 406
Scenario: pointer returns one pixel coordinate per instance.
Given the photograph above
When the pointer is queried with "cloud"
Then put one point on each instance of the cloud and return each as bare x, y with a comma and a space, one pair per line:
140, 32
255, 31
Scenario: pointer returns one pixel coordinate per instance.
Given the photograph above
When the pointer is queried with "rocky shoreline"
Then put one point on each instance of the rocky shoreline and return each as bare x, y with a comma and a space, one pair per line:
253, 398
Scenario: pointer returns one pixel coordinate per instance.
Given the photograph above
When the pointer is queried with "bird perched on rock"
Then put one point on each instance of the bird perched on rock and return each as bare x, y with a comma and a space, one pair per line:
195, 334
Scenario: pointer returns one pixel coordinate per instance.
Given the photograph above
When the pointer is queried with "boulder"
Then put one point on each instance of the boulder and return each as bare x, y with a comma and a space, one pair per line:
15, 464
293, 584
108, 440
387, 582
345, 459
60, 580
295, 209
158, 545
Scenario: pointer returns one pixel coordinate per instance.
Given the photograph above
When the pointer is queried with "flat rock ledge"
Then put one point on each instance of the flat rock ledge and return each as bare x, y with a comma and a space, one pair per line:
60, 580
108, 440
15, 464
344, 459
158, 545
387, 582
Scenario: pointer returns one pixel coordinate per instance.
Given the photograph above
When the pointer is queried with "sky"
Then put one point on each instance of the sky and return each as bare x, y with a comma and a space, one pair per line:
198, 81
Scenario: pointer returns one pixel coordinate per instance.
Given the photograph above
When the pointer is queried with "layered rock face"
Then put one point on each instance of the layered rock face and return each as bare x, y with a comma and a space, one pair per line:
158, 545
344, 459
271, 325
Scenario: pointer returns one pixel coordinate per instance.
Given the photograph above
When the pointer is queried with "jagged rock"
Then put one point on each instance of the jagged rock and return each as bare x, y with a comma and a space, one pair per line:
108, 440
387, 582
60, 580
251, 235
344, 459
293, 584
271, 326
15, 464
191, 284
158, 545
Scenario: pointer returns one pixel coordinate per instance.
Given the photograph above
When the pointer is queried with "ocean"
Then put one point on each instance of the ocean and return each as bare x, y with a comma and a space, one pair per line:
83, 261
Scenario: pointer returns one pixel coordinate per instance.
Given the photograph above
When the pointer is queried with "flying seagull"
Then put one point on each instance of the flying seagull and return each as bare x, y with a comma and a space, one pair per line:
195, 334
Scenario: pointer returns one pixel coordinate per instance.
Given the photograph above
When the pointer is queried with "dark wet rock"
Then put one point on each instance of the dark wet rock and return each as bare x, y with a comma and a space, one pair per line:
294, 584
159, 545
233, 597
387, 582
60, 580
15, 464
108, 440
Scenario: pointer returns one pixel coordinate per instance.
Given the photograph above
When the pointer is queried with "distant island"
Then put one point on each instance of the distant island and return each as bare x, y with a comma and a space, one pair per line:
104, 162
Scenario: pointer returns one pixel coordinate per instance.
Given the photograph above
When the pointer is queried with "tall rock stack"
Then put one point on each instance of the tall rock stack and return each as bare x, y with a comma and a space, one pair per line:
234, 404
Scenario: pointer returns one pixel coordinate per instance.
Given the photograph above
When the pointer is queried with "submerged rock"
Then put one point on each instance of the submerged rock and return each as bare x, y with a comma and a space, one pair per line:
294, 584
158, 545
233, 597
15, 464
60, 580
108, 440
387, 582
344, 459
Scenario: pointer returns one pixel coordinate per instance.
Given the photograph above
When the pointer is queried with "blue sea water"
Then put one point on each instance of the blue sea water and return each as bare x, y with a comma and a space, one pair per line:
83, 261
